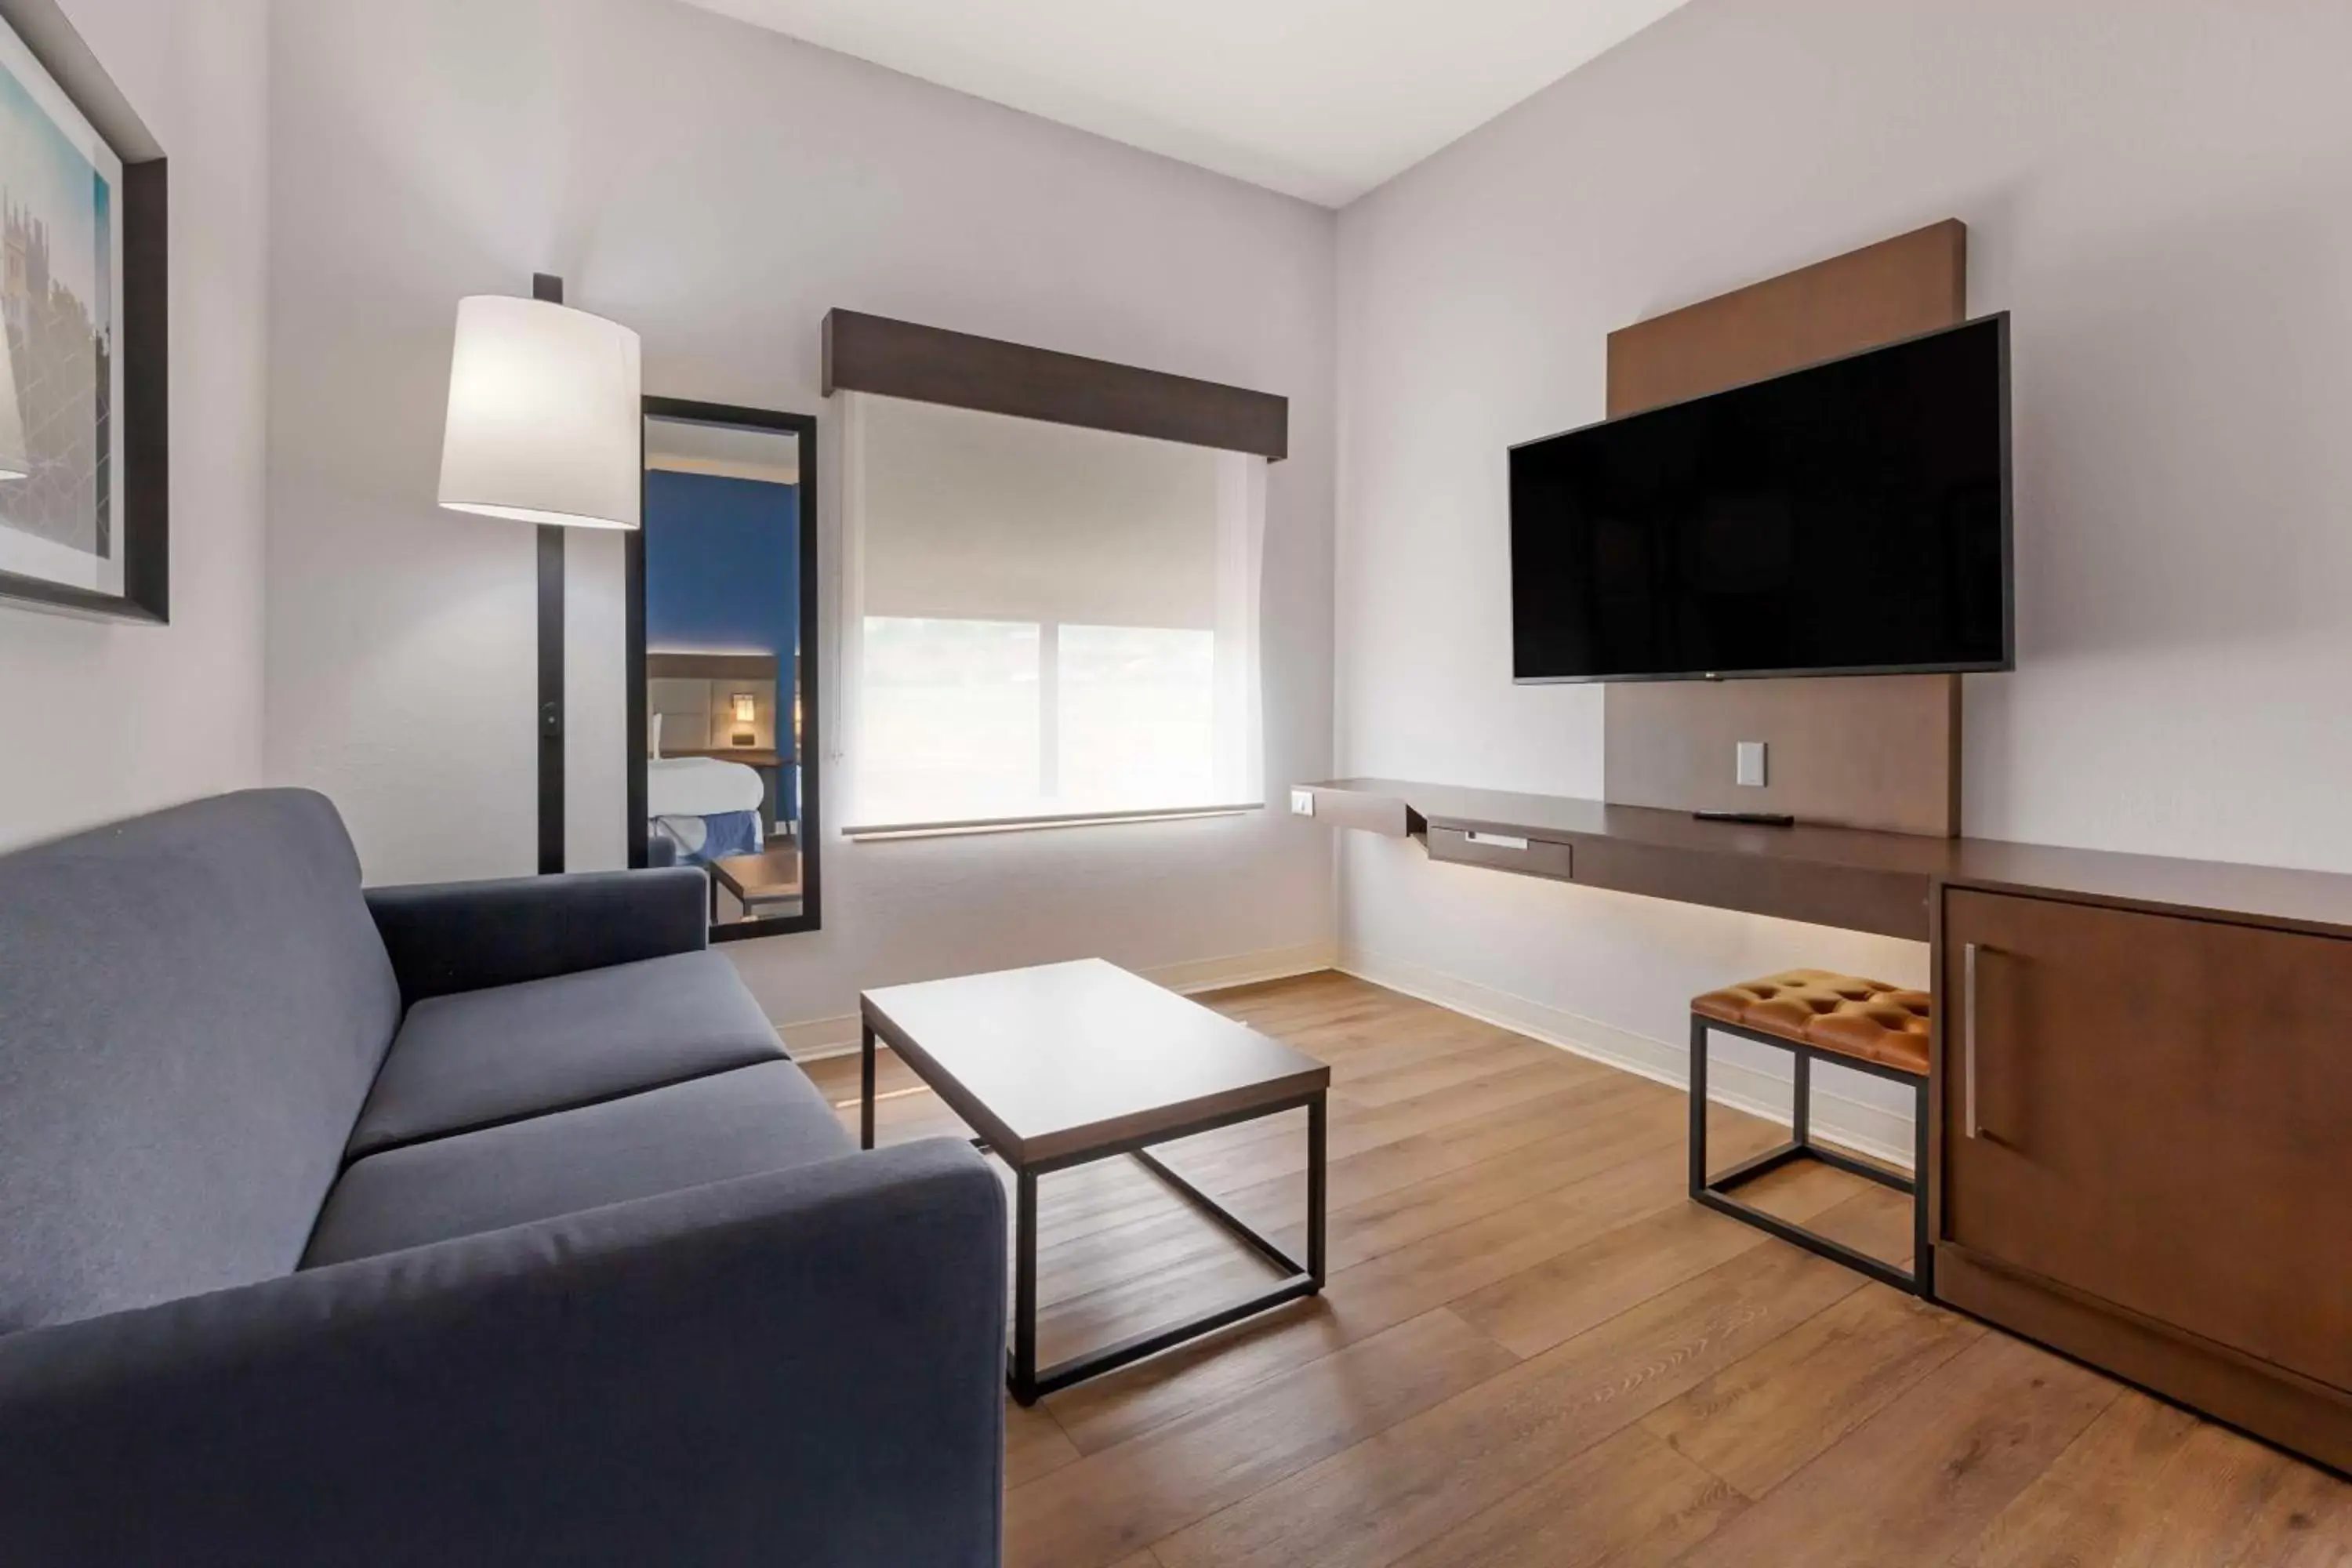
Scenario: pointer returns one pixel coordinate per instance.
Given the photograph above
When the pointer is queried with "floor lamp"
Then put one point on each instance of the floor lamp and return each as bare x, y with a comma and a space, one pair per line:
546, 427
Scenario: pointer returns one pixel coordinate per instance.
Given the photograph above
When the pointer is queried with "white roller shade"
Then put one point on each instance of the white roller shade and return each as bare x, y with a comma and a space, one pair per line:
1043, 621
978, 515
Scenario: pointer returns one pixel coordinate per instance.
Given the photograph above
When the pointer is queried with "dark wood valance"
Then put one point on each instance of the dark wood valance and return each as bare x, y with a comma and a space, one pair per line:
931, 364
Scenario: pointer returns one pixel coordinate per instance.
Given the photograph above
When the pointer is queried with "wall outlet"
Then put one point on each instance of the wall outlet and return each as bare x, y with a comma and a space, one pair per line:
1302, 802
1752, 764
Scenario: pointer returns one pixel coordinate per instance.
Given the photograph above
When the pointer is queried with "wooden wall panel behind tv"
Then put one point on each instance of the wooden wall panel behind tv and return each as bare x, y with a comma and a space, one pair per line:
1860, 752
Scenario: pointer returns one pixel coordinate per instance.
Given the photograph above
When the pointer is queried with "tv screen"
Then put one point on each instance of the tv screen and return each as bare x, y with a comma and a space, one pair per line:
1847, 518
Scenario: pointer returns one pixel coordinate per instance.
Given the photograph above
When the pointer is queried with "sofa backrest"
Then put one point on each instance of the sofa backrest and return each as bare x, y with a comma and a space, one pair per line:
193, 1006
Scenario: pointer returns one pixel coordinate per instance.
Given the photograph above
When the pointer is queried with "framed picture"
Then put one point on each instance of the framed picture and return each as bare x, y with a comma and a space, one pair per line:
84, 447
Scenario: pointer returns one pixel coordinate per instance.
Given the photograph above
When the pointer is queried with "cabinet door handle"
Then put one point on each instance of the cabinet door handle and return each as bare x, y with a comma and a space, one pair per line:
1497, 841
1972, 1124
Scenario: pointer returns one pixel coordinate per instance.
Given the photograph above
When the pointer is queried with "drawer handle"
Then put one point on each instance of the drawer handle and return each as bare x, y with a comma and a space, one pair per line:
1496, 840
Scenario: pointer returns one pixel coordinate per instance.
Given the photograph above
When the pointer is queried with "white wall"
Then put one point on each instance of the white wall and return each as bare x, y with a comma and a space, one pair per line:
2157, 188
99, 720
719, 188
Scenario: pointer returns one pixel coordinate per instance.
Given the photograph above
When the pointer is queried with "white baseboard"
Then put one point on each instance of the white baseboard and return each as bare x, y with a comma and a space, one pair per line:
814, 1040
1838, 1119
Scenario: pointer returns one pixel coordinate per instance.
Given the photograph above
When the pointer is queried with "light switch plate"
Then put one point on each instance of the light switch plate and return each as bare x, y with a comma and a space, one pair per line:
1302, 802
1752, 764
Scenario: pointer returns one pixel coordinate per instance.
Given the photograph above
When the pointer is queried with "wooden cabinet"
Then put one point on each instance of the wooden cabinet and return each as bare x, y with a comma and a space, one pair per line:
2146, 1132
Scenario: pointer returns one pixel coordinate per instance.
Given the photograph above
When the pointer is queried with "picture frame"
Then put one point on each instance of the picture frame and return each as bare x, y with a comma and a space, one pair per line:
85, 450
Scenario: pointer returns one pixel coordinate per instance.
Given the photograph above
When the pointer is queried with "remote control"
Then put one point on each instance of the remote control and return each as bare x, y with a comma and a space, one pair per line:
1748, 818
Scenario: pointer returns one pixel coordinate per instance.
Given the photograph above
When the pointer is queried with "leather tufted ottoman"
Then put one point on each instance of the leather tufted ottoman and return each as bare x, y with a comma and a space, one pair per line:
1865, 1025
1866, 1019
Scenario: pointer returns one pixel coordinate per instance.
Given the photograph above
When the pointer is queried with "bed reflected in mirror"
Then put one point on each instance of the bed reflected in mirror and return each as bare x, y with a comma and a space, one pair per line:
723, 597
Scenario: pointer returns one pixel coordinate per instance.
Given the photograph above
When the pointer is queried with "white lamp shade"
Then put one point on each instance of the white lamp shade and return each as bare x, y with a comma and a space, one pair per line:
545, 415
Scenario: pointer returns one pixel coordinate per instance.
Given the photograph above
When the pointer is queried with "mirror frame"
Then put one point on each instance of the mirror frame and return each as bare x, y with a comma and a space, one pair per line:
812, 686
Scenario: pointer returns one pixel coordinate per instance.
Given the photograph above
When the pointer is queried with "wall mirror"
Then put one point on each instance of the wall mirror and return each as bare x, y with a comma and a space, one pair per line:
722, 607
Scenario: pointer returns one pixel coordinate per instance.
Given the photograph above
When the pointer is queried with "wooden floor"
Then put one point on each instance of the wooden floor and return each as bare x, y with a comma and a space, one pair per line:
1533, 1350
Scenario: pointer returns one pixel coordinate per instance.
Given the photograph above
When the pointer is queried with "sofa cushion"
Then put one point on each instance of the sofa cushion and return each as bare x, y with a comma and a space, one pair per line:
713, 1128
480, 1057
192, 1006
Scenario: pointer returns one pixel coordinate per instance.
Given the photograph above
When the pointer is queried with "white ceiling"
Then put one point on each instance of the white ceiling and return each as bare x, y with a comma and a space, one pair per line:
1320, 99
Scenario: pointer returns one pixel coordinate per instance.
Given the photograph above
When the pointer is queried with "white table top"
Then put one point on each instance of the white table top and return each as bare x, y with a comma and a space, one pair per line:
1067, 1058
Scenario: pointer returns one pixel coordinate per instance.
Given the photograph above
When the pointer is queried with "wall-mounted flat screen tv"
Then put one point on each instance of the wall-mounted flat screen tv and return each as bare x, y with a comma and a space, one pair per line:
1852, 518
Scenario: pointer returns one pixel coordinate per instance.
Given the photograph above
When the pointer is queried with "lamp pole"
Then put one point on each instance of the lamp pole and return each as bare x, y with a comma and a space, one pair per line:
549, 290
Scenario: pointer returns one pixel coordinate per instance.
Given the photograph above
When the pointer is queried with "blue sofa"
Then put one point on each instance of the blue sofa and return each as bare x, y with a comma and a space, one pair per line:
482, 1224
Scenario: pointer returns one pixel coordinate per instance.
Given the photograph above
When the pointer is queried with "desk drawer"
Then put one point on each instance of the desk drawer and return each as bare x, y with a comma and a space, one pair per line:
1502, 852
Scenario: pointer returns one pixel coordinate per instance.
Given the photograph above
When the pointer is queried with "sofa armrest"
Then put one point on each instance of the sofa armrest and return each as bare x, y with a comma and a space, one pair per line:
465, 936
802, 1367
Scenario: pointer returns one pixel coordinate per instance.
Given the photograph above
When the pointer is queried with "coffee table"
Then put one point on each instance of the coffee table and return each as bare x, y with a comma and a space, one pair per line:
1072, 1063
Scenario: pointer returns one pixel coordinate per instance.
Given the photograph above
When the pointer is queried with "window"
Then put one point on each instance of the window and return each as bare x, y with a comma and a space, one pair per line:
1137, 715
952, 716
1043, 622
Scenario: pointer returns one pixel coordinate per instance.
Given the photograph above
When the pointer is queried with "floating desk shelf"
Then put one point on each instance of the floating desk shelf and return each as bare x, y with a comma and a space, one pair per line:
1853, 877
1838, 877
